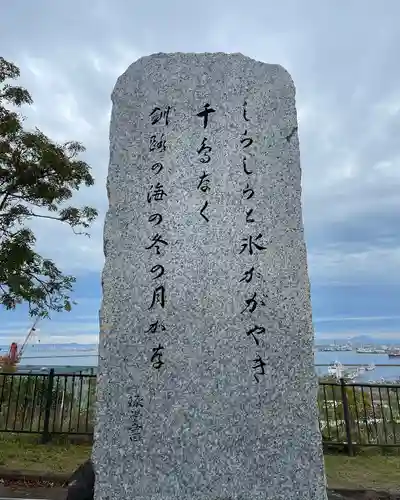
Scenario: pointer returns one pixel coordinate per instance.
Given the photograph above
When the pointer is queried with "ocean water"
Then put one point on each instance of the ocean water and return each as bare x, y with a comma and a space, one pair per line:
391, 372
63, 358
66, 358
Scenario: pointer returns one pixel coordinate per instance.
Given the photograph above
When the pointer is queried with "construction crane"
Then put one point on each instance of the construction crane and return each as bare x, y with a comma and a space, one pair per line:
14, 354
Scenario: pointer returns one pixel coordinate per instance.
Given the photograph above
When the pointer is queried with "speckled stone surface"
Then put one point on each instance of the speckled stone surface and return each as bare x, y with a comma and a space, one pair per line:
228, 284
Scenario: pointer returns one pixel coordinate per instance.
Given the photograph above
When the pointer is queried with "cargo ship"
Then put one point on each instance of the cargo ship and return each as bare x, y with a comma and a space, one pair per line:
370, 350
335, 347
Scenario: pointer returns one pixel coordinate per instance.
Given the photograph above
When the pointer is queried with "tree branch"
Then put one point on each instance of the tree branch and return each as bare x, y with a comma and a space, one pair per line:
41, 282
60, 220
3, 201
45, 217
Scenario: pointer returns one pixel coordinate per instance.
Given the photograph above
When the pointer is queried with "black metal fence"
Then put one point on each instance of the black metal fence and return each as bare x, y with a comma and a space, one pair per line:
47, 404
350, 414
357, 415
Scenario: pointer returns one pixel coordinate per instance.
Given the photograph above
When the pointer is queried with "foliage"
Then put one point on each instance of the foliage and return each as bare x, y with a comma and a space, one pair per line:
7, 365
23, 401
37, 177
373, 416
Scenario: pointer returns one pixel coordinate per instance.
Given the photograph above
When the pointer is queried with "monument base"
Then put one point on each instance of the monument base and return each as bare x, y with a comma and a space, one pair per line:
362, 495
81, 487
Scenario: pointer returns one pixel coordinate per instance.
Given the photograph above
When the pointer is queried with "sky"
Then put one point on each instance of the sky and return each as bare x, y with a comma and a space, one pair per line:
342, 57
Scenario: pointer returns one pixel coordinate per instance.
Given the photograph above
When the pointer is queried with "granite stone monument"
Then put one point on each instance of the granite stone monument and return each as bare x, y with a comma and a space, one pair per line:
206, 384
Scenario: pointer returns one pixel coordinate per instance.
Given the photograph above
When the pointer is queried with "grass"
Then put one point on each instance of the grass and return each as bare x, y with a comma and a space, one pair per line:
26, 454
366, 470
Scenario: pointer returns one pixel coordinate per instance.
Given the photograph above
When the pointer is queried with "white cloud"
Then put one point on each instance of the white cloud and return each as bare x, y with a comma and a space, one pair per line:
372, 265
389, 106
328, 319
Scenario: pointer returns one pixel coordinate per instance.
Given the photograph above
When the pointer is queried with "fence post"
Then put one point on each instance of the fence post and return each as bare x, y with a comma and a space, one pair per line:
346, 415
49, 396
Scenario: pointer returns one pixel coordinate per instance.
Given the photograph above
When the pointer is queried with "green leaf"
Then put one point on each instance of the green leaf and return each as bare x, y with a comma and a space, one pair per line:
35, 173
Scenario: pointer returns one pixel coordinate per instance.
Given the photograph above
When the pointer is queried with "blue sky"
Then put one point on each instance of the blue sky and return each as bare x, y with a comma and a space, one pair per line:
342, 57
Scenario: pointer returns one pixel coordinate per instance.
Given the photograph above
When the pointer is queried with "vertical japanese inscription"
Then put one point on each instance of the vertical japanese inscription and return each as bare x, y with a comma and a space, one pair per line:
251, 245
135, 403
204, 152
159, 118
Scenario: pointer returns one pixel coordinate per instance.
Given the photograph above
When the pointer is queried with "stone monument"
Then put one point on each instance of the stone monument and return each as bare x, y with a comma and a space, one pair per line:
206, 384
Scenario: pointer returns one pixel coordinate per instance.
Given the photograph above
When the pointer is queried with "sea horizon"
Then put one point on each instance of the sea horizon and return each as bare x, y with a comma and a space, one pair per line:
356, 341
76, 357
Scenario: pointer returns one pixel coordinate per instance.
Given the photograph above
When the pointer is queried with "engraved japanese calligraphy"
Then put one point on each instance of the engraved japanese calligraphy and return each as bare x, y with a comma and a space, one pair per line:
159, 115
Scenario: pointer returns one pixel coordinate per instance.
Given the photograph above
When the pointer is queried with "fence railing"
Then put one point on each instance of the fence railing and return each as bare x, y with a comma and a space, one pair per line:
47, 404
359, 414
53, 404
